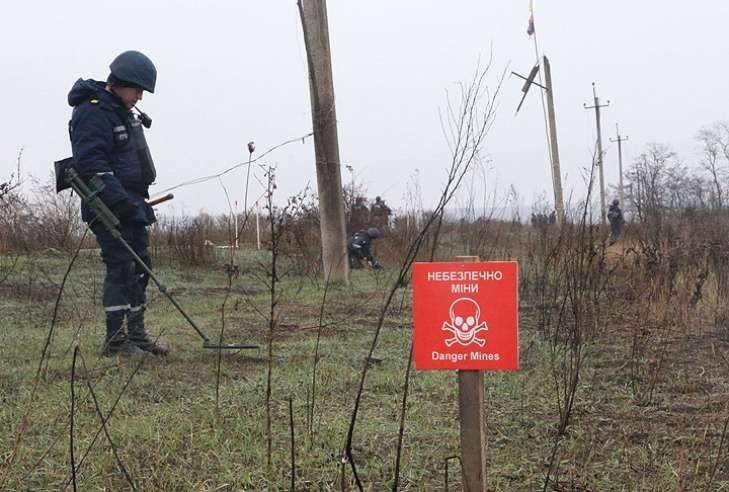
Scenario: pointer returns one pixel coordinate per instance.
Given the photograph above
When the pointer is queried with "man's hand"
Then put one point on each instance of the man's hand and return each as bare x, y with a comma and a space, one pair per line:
125, 210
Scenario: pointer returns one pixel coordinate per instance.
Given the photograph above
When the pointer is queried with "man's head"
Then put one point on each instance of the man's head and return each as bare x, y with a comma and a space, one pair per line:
132, 73
616, 202
130, 96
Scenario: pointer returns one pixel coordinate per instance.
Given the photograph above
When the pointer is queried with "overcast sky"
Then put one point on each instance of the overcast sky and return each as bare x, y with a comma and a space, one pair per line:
234, 71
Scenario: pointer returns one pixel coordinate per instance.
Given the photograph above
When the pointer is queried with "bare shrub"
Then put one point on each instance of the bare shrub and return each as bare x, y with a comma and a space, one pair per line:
184, 240
13, 235
301, 241
42, 220
55, 220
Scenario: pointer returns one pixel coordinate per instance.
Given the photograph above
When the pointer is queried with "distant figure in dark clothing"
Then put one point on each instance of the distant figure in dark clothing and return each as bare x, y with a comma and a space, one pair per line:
542, 219
552, 218
615, 216
380, 213
359, 214
359, 249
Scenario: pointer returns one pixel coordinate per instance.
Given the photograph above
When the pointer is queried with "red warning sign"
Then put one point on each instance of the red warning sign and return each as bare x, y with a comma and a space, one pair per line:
466, 315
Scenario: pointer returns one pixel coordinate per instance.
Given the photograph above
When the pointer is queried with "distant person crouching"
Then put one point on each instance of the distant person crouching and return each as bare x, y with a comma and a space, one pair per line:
359, 249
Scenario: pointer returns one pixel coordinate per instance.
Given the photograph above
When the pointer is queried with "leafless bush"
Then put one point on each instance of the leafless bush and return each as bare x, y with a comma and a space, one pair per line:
280, 221
13, 212
661, 185
300, 241
184, 240
465, 127
54, 218
569, 285
38, 220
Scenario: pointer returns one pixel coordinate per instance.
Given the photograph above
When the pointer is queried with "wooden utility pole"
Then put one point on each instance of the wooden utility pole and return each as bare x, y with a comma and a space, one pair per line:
556, 176
551, 129
597, 107
326, 144
620, 140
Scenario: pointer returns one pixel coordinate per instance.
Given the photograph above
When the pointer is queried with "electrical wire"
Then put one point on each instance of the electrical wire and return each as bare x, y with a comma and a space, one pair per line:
203, 179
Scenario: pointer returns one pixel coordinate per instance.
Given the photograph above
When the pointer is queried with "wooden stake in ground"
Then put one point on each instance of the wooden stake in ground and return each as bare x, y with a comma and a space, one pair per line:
597, 107
326, 145
473, 431
556, 176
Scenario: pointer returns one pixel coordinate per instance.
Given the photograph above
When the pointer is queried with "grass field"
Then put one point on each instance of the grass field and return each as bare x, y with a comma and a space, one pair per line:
650, 411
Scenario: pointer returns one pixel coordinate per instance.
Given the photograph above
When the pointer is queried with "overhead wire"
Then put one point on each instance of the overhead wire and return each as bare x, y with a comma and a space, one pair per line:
203, 179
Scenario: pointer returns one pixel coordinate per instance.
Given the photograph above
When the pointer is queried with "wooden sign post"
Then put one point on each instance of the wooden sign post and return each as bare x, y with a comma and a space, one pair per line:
473, 430
466, 318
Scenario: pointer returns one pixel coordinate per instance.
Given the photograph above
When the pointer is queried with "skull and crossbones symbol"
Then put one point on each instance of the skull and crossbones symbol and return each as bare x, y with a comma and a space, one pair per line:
464, 324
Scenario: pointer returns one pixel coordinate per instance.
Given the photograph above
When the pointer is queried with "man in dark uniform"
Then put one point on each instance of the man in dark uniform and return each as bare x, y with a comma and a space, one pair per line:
359, 214
108, 141
615, 216
380, 213
359, 249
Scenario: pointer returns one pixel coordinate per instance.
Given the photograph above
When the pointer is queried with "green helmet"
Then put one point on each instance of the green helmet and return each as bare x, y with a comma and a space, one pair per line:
133, 69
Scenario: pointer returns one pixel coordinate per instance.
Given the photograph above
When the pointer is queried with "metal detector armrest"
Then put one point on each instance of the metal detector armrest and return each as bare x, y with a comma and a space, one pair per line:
60, 170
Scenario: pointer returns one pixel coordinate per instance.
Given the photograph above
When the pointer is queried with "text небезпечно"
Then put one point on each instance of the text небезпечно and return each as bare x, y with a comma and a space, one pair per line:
463, 276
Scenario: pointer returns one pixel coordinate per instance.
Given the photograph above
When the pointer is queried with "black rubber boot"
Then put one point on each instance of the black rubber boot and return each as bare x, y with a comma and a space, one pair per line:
138, 335
116, 340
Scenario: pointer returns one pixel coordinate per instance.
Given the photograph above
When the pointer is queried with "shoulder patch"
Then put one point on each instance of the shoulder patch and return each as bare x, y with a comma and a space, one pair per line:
94, 101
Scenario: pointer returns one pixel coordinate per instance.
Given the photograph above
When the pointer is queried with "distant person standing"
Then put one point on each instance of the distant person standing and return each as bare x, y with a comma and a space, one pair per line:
615, 216
359, 249
359, 214
380, 214
108, 140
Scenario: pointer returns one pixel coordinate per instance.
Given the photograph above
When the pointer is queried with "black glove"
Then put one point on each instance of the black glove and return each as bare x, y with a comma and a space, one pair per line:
125, 210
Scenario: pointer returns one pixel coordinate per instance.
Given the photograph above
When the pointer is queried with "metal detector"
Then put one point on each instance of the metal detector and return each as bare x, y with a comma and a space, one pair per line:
89, 194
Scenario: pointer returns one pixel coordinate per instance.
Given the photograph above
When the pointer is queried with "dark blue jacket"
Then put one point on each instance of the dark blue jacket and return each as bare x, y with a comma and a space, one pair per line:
107, 140
359, 244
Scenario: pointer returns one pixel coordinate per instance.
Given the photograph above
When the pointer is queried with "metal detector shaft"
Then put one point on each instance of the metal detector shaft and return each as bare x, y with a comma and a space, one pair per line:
111, 222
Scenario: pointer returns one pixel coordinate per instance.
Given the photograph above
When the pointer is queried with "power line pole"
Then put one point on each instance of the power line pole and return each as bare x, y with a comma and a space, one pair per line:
556, 176
326, 143
597, 107
620, 140
550, 128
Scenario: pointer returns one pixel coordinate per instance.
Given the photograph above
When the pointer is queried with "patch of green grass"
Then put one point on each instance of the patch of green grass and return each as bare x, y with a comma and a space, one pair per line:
170, 434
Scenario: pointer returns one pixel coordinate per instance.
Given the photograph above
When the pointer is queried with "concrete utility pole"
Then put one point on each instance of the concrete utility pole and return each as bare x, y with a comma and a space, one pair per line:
556, 176
597, 107
326, 144
620, 140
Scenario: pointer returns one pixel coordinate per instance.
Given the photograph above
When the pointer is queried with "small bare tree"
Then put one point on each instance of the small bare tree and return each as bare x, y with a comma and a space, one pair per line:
465, 127
646, 176
714, 147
